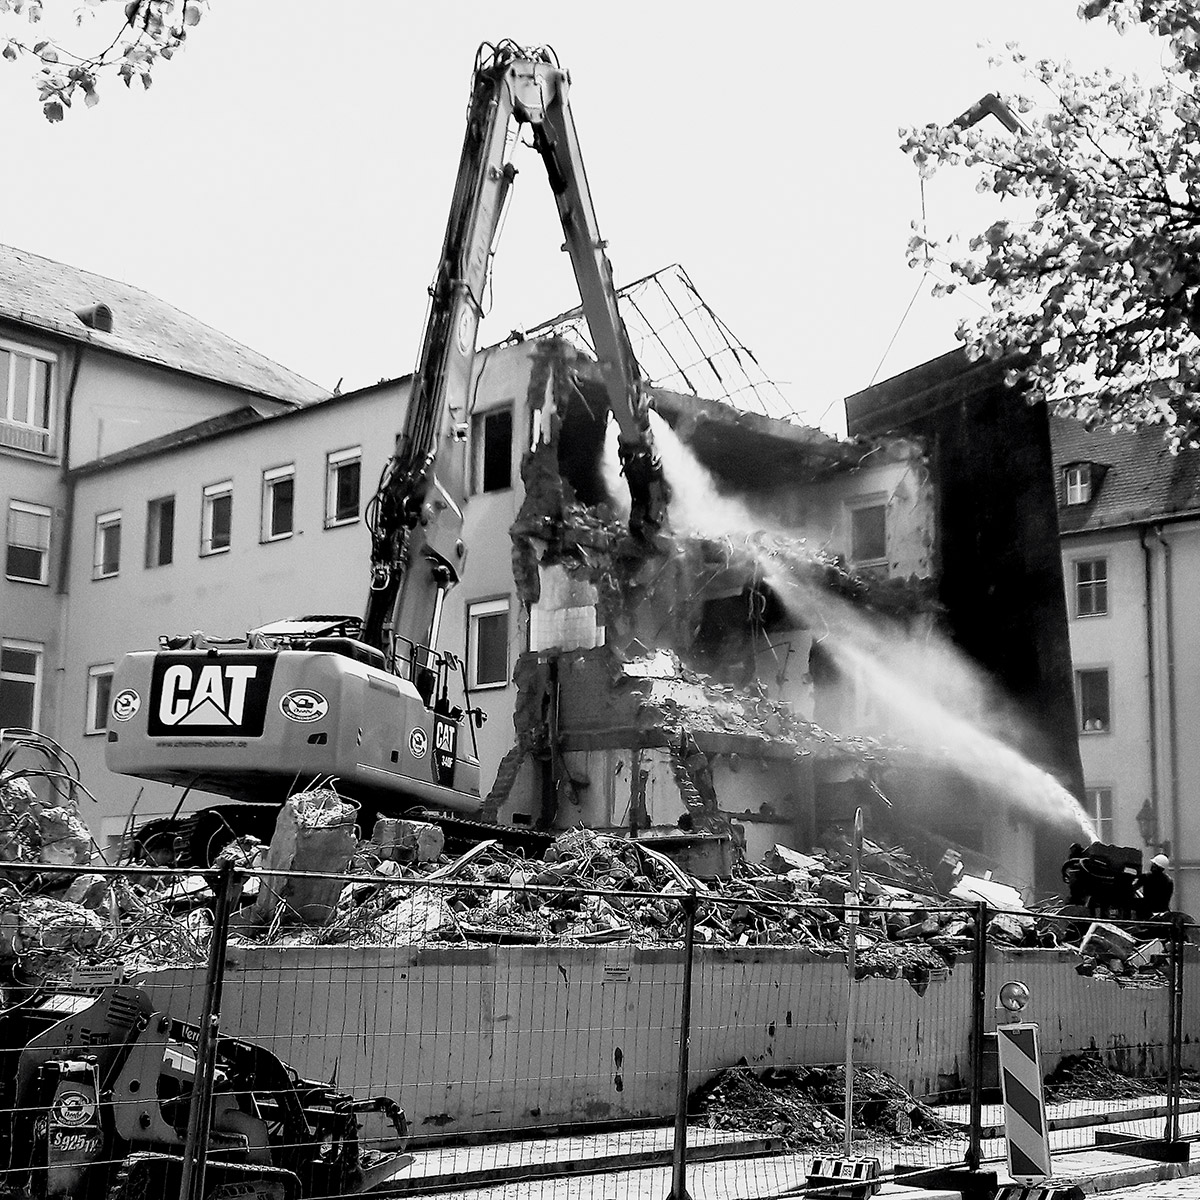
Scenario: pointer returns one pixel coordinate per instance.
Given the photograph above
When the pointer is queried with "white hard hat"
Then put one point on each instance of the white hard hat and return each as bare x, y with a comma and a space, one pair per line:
1160, 860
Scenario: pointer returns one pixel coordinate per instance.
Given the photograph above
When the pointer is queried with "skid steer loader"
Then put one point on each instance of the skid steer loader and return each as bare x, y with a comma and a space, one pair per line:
95, 1093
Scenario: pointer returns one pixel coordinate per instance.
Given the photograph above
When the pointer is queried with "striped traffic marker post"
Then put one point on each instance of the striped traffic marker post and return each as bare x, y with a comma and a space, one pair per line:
1025, 1132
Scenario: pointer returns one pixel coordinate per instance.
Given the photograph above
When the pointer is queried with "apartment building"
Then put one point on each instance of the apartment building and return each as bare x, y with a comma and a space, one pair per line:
89, 366
1129, 513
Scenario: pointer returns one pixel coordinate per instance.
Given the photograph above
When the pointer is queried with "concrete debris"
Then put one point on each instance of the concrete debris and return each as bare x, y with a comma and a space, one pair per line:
39, 924
972, 889
416, 918
33, 830
407, 841
1108, 941
314, 833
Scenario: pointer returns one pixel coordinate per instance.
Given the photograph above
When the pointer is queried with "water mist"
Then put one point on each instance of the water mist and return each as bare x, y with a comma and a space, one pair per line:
933, 698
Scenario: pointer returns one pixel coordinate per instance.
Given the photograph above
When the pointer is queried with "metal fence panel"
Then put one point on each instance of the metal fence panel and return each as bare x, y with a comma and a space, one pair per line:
534, 1040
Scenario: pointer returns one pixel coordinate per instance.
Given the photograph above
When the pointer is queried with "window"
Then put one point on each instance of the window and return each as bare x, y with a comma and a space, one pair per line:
106, 557
99, 695
26, 398
1100, 808
27, 557
216, 521
868, 533
1092, 696
1091, 587
20, 684
487, 644
160, 532
491, 450
343, 479
279, 503
1077, 483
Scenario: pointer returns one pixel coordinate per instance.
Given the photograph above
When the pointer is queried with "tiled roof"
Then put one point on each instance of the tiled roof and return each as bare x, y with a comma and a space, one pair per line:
1140, 479
45, 294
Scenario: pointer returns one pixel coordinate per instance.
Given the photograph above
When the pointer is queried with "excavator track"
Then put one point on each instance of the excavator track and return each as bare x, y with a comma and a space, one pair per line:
195, 839
463, 833
150, 1176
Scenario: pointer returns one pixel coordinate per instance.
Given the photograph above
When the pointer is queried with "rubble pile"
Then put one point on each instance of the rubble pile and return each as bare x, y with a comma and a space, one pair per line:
804, 1106
1086, 1076
586, 888
46, 832
52, 920
502, 897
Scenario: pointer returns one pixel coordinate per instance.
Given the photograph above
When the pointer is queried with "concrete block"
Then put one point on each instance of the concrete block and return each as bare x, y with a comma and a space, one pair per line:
314, 832
1108, 941
408, 841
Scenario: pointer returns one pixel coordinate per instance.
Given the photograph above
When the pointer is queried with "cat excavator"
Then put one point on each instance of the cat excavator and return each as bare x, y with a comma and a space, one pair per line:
367, 701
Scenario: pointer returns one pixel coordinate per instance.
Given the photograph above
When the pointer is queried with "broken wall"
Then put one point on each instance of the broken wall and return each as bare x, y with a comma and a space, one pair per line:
893, 472
600, 599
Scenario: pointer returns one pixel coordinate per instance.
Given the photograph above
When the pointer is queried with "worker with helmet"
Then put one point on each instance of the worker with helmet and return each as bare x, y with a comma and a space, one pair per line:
1155, 888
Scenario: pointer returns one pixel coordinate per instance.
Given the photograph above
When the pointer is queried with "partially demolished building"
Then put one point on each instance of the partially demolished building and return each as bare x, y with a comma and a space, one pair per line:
671, 685
712, 680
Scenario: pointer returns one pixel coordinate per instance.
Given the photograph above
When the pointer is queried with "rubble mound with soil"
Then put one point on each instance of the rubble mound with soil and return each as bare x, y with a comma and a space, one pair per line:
804, 1106
1086, 1076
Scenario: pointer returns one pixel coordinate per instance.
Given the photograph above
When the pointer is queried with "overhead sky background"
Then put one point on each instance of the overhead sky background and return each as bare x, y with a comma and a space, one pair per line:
287, 177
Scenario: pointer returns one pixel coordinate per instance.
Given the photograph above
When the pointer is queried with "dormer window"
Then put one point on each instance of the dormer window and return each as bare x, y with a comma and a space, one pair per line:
1077, 483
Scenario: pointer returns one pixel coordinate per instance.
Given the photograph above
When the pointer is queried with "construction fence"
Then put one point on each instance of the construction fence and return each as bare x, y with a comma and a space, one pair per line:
244, 1032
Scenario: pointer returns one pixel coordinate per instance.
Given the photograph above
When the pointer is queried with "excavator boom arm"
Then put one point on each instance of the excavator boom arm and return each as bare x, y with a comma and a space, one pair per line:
416, 515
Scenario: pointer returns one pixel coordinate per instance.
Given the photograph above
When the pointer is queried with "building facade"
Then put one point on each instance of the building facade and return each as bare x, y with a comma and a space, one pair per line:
1129, 513
999, 584
89, 366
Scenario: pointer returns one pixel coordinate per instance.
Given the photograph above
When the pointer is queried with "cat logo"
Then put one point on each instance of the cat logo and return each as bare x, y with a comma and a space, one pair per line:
445, 746
209, 694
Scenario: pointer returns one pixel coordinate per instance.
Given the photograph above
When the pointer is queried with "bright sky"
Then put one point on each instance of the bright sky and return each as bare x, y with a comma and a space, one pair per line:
287, 177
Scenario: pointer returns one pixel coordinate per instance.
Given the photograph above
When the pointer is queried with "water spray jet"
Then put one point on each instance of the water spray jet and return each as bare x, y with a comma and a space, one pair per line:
938, 701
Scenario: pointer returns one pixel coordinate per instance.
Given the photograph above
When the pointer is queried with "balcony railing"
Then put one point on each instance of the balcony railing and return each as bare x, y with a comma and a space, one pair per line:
29, 438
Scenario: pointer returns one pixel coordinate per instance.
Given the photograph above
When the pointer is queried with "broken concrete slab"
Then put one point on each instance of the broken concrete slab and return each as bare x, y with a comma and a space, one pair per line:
1108, 941
314, 832
405, 841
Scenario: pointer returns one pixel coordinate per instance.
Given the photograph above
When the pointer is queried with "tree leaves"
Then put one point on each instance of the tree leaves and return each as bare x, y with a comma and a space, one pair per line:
150, 30
1098, 282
